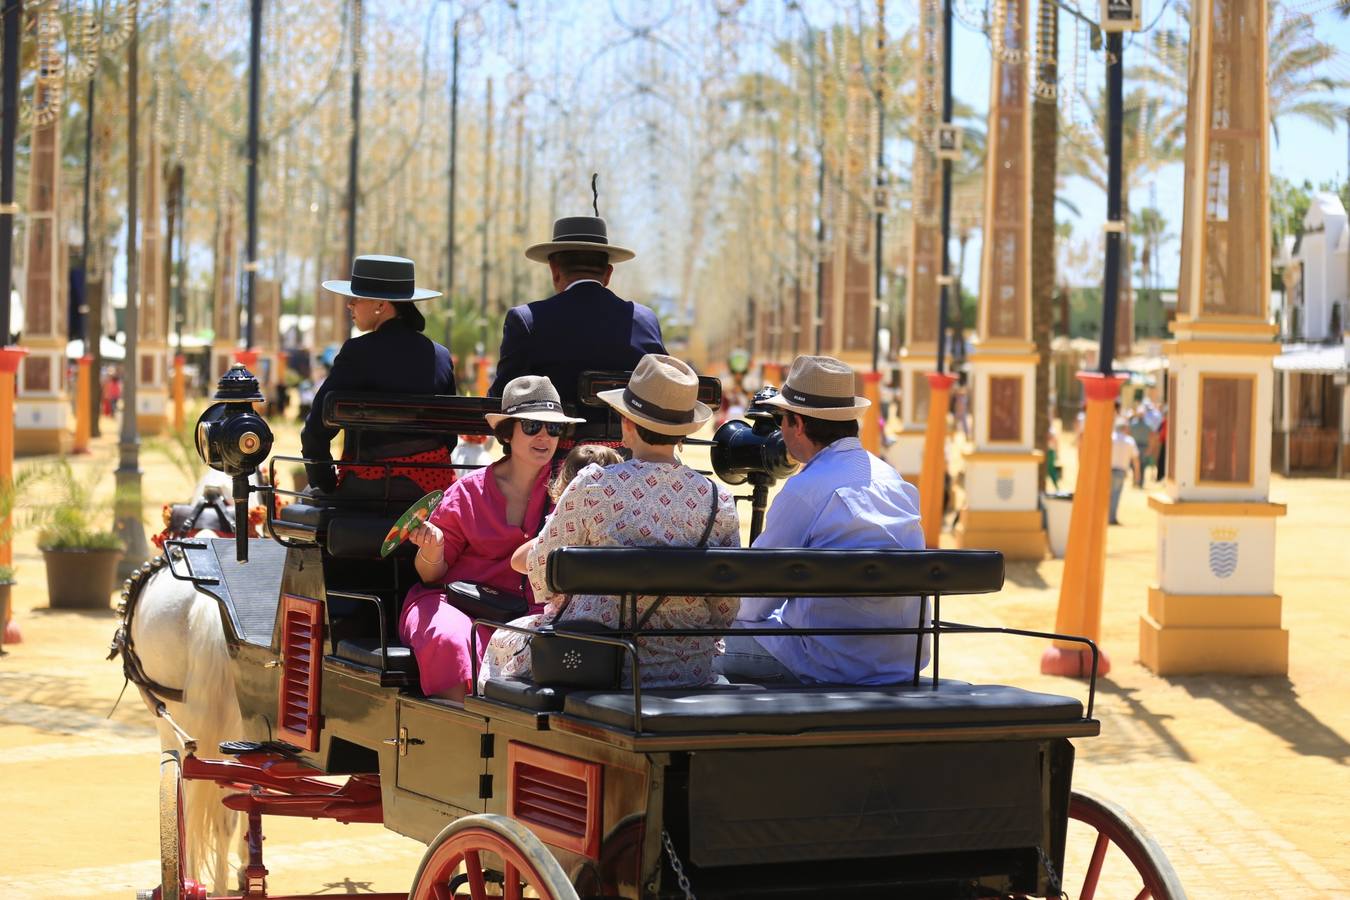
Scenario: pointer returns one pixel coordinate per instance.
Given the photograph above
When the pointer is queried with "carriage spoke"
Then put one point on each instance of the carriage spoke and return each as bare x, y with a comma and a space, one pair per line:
1094, 871
510, 883
1145, 894
474, 869
441, 892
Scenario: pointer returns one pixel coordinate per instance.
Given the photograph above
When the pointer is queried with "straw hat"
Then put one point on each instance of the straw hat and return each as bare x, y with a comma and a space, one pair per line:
662, 395
531, 397
586, 233
820, 387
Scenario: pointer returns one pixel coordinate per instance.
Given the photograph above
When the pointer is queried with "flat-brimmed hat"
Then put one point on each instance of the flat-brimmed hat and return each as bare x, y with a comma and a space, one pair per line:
820, 387
586, 233
381, 278
662, 395
531, 397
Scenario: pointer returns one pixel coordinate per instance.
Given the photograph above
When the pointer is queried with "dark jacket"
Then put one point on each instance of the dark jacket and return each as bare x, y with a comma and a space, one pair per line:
585, 327
392, 359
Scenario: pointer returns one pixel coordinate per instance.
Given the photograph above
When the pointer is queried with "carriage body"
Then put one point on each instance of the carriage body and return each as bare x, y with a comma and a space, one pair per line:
931, 788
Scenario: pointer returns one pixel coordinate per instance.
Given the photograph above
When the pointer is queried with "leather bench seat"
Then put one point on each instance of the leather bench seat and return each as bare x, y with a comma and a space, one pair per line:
790, 710
366, 652
538, 698
307, 514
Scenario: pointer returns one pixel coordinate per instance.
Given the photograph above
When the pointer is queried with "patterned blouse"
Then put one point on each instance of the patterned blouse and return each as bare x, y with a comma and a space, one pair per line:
632, 504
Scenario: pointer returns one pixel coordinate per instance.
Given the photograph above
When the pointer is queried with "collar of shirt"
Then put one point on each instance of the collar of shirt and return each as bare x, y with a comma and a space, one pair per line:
839, 446
583, 281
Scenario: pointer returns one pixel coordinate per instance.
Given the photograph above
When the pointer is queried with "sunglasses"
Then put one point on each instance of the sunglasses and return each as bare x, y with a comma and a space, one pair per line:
531, 427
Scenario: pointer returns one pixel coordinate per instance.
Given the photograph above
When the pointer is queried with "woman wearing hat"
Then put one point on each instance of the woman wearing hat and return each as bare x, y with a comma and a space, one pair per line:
479, 523
653, 500
392, 356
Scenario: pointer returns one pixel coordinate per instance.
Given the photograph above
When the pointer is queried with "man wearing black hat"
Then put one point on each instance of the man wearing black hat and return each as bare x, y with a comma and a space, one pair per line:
392, 356
584, 325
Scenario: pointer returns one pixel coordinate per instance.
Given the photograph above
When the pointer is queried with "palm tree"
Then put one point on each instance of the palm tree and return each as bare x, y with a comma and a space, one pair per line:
1299, 84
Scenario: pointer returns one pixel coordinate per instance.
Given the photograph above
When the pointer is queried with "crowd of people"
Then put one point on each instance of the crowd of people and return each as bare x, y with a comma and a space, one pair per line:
553, 488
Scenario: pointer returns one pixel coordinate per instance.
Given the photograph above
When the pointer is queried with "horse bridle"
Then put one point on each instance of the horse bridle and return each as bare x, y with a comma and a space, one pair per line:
122, 643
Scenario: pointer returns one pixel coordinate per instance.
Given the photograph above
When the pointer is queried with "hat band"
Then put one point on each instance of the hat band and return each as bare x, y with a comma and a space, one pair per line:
815, 401
586, 238
402, 287
661, 414
530, 406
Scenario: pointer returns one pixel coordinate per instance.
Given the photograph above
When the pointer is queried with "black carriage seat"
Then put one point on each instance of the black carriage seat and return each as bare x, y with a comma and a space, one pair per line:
526, 694
366, 652
793, 710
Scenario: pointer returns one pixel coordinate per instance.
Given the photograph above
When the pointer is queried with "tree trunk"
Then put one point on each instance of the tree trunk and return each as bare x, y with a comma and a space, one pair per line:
1044, 144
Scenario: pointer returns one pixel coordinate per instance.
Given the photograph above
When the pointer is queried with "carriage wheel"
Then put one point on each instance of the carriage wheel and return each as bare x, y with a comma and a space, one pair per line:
1119, 844
173, 881
489, 847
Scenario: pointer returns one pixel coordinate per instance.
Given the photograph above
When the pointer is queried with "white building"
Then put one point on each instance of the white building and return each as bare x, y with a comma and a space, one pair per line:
1312, 406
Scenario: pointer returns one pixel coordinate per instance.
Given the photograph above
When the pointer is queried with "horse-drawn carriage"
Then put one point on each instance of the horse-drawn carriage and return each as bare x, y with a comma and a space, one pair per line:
934, 788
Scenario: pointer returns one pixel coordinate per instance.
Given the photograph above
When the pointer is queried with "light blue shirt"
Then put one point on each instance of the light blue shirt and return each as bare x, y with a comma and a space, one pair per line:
844, 498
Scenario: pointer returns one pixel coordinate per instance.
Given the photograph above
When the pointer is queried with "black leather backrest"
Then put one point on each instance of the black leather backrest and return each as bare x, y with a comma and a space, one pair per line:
773, 573
433, 414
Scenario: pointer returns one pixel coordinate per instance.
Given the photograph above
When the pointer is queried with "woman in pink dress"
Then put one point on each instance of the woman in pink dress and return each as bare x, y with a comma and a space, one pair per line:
478, 524
653, 500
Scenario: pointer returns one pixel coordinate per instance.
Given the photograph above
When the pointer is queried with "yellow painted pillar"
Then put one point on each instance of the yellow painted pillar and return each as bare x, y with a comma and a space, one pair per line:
179, 391
10, 357
871, 423
481, 377
83, 427
932, 479
1080, 589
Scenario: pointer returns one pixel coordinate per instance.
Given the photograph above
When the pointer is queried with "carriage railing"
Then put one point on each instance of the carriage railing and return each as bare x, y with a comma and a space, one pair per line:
805, 574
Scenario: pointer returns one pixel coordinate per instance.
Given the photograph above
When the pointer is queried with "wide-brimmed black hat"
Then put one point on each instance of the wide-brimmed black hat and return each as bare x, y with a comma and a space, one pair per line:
579, 233
381, 278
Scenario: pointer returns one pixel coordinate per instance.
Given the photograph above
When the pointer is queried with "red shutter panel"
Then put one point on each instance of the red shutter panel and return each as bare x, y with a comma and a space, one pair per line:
301, 638
558, 796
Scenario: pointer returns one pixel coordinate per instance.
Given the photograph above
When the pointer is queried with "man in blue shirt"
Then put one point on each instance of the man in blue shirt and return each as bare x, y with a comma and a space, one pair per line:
843, 498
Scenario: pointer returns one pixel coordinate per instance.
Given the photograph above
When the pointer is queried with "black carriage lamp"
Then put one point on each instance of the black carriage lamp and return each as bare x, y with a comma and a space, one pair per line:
753, 452
232, 438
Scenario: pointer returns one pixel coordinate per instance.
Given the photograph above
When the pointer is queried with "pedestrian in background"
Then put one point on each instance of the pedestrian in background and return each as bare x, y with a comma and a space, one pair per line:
1124, 461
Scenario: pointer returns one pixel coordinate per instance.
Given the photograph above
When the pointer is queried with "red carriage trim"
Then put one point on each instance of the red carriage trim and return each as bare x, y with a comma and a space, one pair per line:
301, 640
559, 797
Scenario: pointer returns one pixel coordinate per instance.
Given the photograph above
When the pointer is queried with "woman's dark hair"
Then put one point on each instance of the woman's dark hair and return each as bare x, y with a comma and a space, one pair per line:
411, 315
656, 438
503, 432
824, 432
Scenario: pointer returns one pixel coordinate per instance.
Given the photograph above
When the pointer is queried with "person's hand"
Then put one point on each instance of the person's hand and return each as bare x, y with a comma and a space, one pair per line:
430, 542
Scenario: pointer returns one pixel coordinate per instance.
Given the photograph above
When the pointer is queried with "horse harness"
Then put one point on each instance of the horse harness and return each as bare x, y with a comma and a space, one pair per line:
122, 643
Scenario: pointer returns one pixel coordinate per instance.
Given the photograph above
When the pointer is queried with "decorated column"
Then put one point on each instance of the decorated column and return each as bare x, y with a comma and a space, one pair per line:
1002, 471
919, 356
152, 353
42, 419
225, 315
1213, 608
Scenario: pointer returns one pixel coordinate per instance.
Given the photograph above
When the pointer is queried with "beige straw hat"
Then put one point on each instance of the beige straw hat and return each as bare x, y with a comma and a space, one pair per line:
662, 395
587, 233
821, 387
531, 397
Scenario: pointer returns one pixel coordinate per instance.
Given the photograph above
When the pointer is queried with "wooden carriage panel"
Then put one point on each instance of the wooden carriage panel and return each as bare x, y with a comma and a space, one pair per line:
443, 755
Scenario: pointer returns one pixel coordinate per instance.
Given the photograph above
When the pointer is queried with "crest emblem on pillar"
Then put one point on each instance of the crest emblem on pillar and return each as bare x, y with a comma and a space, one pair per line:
1223, 551
1003, 487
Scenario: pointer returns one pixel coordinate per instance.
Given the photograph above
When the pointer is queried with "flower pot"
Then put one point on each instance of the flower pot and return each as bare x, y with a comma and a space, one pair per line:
81, 579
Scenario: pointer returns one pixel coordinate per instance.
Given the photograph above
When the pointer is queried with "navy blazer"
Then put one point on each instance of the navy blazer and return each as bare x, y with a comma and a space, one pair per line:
392, 359
587, 326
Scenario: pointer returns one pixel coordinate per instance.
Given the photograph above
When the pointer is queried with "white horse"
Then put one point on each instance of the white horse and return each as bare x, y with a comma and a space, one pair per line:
177, 637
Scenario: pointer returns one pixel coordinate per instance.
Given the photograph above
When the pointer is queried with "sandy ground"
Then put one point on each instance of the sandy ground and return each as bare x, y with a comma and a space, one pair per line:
1243, 781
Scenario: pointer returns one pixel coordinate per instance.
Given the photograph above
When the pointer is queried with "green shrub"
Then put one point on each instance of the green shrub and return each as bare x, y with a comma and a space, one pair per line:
67, 522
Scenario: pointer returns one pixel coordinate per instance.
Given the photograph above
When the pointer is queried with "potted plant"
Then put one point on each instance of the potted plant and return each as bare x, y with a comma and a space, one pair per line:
81, 558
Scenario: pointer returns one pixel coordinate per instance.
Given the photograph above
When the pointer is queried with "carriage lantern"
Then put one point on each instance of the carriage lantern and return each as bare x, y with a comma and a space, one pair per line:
232, 438
753, 452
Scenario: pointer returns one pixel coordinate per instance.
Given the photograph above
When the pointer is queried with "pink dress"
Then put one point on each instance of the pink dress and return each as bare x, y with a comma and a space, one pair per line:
478, 547
632, 504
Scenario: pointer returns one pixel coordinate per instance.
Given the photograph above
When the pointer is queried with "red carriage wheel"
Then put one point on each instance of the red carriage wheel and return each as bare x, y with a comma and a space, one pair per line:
489, 848
1114, 844
173, 881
